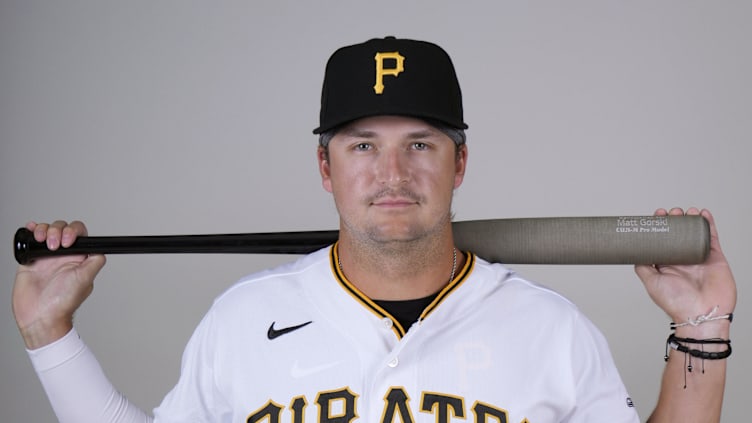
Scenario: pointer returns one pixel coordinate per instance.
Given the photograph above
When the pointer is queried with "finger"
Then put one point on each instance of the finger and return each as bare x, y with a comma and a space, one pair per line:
71, 232
55, 234
676, 211
692, 211
40, 231
661, 212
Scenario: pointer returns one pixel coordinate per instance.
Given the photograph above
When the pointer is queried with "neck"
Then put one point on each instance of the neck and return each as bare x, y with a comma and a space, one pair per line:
399, 270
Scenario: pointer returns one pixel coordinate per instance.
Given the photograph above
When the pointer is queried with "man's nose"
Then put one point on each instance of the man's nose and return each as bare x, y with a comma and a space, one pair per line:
393, 167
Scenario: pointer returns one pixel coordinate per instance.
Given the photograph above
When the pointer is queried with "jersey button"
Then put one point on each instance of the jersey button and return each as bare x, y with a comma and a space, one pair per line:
387, 322
393, 362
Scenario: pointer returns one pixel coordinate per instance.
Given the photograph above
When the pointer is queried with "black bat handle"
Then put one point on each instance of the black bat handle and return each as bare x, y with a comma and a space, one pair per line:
26, 248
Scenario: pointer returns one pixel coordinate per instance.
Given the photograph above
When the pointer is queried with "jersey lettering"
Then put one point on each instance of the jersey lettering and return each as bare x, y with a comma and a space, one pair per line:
485, 413
298, 406
397, 404
269, 413
337, 406
442, 406
381, 71
340, 406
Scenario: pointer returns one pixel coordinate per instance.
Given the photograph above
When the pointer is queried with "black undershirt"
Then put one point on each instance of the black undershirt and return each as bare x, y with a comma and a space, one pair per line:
406, 312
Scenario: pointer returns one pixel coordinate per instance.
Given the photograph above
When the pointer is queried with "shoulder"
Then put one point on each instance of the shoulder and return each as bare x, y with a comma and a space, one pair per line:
281, 281
534, 306
531, 304
508, 285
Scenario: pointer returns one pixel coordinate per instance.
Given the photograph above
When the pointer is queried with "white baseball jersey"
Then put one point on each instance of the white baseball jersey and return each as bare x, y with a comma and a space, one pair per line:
301, 343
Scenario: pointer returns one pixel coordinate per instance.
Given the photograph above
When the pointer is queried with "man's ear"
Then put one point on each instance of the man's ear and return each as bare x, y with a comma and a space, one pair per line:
324, 169
460, 164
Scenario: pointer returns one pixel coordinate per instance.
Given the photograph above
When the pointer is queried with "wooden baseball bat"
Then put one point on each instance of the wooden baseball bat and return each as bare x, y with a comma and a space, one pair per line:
542, 240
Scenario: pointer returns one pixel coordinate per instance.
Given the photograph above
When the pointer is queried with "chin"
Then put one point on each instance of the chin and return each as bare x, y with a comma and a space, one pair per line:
396, 233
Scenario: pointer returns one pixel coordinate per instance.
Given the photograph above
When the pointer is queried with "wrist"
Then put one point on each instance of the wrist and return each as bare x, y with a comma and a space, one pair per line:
40, 334
715, 323
715, 329
708, 330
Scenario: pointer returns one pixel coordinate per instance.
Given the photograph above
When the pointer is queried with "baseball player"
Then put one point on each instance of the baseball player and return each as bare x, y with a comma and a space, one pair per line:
392, 323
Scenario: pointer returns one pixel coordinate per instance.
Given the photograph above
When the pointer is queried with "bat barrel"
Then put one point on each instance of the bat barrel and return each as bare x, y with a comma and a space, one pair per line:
588, 240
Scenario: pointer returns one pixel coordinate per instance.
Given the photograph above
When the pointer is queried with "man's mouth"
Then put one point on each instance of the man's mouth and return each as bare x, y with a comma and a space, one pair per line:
392, 198
394, 202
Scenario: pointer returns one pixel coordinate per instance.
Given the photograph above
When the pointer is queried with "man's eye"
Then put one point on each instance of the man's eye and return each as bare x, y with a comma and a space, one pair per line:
363, 146
420, 146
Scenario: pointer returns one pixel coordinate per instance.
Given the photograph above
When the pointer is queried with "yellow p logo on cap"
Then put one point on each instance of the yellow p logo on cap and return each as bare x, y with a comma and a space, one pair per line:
380, 71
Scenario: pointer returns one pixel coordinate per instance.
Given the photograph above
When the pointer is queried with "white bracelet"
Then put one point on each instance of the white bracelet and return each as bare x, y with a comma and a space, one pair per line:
703, 318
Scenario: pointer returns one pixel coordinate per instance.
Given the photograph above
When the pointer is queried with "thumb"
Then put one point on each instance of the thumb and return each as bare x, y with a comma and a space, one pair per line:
90, 267
646, 272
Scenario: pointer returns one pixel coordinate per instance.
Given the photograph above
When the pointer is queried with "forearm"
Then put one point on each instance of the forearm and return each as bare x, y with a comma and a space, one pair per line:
77, 387
693, 394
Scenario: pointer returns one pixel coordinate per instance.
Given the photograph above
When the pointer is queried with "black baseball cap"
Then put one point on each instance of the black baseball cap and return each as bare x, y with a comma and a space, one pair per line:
390, 76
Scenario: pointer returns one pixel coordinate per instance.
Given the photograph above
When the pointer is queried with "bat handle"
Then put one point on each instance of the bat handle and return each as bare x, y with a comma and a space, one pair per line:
26, 248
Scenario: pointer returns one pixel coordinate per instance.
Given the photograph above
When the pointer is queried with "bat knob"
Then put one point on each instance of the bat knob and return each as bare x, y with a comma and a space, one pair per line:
21, 242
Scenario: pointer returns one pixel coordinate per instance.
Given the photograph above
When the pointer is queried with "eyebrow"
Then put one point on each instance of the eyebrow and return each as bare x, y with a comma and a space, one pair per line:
358, 133
366, 133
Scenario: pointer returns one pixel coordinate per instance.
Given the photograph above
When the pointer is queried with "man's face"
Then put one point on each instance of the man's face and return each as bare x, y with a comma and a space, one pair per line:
392, 177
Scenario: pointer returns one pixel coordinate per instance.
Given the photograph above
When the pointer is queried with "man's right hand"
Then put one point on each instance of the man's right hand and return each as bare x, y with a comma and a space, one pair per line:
48, 291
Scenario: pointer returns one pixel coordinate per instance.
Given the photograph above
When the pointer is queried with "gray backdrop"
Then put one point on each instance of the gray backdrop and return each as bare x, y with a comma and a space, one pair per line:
172, 117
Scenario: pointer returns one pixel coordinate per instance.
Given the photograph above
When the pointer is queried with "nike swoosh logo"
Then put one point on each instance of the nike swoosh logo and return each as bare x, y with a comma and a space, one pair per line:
298, 372
275, 333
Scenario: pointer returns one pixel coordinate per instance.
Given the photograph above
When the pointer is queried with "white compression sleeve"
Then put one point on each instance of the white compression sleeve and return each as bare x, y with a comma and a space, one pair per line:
77, 387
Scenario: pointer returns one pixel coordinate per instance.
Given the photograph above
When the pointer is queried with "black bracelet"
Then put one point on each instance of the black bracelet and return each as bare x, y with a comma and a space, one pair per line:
674, 343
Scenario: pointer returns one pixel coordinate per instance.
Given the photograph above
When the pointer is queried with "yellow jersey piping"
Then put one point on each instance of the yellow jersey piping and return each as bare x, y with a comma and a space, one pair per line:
359, 296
